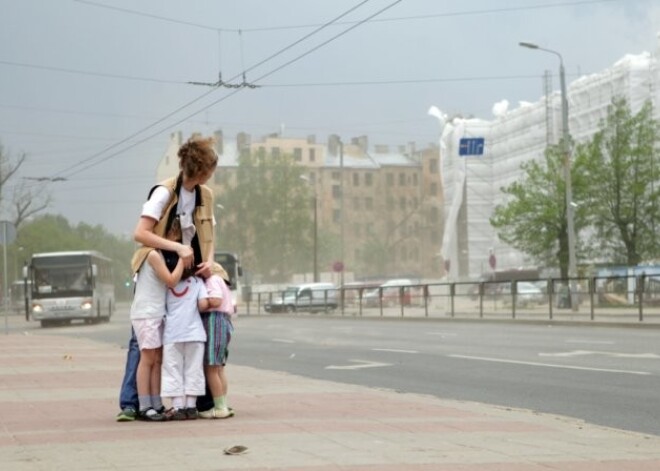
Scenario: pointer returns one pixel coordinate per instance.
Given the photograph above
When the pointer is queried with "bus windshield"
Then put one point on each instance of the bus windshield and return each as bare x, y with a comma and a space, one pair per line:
62, 276
232, 266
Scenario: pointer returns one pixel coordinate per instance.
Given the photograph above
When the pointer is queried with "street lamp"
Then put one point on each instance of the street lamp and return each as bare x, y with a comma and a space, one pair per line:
566, 148
217, 224
316, 229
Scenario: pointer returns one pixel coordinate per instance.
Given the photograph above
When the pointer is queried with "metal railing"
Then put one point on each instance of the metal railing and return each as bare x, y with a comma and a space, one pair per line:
608, 299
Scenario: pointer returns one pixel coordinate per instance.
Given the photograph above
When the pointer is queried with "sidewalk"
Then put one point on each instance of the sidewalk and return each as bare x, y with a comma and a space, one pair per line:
58, 400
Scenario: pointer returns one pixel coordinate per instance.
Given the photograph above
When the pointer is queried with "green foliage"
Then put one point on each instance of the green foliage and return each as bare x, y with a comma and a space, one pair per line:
52, 233
624, 191
272, 209
615, 185
534, 219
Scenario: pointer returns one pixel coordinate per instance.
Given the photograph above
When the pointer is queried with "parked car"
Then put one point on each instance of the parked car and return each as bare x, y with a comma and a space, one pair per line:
393, 292
527, 293
309, 297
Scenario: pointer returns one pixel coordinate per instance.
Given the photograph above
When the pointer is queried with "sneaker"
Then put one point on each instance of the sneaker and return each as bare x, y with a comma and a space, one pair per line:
127, 414
176, 414
151, 415
191, 413
216, 413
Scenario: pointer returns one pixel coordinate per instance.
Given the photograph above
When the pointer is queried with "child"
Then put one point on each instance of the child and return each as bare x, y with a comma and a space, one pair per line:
183, 348
218, 326
147, 314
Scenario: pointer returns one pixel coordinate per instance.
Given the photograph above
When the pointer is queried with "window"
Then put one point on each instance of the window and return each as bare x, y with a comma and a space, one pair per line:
434, 189
356, 179
369, 203
390, 179
390, 203
402, 179
433, 166
414, 177
312, 155
336, 191
336, 176
402, 203
336, 216
357, 230
297, 154
356, 203
415, 202
368, 179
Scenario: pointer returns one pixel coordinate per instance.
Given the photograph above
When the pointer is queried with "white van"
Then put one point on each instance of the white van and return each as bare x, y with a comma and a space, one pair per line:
309, 297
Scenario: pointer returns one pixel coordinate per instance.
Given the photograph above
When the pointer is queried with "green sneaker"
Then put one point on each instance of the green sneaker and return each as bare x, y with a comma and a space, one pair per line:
127, 415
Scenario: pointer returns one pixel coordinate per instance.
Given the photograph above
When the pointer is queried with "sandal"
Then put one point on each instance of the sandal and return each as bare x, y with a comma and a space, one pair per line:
151, 415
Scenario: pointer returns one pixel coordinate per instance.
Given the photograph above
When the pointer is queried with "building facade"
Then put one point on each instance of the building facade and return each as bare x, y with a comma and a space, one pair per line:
376, 200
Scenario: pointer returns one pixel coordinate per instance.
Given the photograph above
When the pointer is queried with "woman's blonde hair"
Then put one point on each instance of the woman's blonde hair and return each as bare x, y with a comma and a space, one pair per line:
198, 156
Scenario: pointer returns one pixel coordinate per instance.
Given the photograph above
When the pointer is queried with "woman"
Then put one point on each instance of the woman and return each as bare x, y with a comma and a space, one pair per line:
182, 206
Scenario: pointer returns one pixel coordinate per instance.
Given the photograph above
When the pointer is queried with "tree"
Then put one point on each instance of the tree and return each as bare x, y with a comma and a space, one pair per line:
624, 191
25, 200
269, 216
534, 219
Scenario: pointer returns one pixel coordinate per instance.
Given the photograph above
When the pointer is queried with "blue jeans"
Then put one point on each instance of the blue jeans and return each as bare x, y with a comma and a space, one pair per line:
128, 396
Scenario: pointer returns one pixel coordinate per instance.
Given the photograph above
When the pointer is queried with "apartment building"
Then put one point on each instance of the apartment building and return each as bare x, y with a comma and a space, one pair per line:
391, 205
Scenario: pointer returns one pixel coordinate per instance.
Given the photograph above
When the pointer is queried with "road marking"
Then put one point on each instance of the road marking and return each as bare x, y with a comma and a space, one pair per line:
360, 364
577, 353
550, 365
599, 342
393, 350
283, 341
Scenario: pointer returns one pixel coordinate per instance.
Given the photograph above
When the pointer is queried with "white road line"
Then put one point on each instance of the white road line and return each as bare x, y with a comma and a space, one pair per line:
577, 353
393, 350
360, 365
283, 341
596, 342
550, 365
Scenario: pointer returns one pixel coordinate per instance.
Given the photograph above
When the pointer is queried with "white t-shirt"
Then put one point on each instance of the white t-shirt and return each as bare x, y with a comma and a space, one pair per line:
183, 322
149, 299
157, 203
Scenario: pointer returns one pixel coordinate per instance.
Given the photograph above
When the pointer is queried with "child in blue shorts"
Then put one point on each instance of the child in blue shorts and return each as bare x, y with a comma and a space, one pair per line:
218, 327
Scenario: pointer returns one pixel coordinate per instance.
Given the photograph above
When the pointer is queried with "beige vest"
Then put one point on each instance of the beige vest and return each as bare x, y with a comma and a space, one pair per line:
202, 218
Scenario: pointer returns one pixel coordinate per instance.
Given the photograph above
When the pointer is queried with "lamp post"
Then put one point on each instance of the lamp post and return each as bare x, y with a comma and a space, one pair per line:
566, 148
316, 229
217, 225
341, 221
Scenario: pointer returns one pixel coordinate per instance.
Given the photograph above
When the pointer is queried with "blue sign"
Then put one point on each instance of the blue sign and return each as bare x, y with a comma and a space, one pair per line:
471, 146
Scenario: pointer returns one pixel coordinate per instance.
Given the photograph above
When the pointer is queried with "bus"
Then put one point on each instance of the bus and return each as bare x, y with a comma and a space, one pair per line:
70, 285
232, 266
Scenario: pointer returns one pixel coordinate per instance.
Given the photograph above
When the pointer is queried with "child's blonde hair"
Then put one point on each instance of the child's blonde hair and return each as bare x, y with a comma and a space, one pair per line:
217, 269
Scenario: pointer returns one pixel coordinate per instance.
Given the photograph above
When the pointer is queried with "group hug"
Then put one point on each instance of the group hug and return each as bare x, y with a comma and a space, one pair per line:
181, 314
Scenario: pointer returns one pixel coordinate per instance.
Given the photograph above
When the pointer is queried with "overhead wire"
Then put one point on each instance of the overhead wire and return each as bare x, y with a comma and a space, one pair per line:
190, 103
381, 20
232, 93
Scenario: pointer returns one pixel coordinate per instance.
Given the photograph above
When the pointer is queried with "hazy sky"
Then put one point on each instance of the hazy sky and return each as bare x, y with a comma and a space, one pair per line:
89, 90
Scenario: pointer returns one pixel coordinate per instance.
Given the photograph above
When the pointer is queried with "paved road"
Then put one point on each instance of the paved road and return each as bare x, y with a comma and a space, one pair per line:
605, 375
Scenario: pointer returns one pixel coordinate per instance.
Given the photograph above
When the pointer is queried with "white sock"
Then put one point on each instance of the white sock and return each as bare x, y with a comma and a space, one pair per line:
178, 402
191, 402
